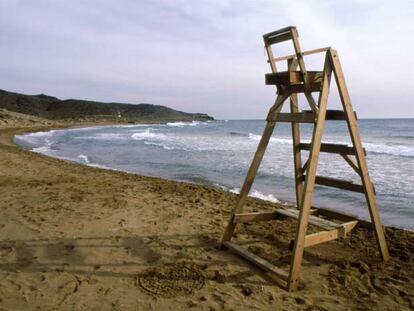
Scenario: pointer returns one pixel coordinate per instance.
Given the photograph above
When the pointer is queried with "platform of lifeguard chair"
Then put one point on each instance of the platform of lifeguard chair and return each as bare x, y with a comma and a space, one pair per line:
292, 81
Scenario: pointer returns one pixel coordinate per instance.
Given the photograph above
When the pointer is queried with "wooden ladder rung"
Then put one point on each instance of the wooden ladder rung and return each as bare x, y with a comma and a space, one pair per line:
334, 114
293, 213
299, 88
338, 183
325, 236
313, 220
260, 262
299, 117
332, 148
306, 116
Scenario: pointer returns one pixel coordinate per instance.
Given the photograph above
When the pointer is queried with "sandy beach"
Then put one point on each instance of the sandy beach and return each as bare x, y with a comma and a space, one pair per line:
74, 237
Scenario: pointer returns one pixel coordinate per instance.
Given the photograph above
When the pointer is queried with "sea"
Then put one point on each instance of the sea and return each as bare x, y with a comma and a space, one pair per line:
218, 154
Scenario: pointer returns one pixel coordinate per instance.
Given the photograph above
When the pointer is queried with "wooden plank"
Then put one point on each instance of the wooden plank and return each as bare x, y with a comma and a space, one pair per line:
299, 88
297, 158
305, 166
306, 201
339, 183
305, 117
349, 226
325, 236
320, 237
309, 87
335, 114
332, 214
280, 38
278, 32
257, 216
269, 53
292, 213
331, 148
260, 262
299, 117
356, 141
313, 220
304, 53
291, 77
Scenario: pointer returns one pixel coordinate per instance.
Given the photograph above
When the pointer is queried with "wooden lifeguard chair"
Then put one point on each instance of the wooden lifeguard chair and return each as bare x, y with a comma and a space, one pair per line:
289, 83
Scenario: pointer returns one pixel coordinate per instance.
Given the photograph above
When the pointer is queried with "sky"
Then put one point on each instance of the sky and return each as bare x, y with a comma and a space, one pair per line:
203, 55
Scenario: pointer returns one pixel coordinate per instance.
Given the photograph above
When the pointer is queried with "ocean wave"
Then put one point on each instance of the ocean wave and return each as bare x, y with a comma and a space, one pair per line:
402, 136
182, 124
148, 134
283, 141
39, 134
165, 146
46, 148
264, 197
254, 193
43, 150
84, 158
238, 134
39, 139
104, 137
397, 150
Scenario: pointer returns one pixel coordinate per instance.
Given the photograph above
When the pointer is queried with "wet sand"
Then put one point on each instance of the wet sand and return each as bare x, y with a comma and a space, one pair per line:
80, 238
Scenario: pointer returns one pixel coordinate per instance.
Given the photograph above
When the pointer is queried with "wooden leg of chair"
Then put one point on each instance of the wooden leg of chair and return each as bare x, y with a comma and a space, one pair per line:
360, 156
267, 133
297, 256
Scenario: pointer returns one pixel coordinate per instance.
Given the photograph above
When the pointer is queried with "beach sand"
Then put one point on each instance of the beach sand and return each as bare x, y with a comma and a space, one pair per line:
74, 237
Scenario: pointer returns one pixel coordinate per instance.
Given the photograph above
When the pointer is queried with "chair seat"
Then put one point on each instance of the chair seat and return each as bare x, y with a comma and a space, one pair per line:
292, 77
292, 81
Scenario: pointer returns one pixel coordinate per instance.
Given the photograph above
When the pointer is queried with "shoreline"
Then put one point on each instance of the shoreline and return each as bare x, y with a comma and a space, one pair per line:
363, 222
77, 237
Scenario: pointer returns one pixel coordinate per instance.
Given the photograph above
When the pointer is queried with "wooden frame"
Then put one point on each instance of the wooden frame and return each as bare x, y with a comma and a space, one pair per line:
288, 84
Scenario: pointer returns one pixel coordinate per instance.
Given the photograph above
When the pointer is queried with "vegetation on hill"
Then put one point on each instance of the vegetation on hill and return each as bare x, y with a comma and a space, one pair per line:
53, 108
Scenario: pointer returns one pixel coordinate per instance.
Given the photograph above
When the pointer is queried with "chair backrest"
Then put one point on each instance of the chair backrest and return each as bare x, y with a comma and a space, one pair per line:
282, 35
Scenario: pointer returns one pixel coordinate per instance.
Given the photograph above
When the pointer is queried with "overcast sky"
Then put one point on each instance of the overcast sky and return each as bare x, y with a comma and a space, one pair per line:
202, 56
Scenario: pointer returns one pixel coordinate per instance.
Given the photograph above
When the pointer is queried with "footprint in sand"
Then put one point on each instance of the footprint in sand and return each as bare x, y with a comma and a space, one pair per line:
5, 251
138, 248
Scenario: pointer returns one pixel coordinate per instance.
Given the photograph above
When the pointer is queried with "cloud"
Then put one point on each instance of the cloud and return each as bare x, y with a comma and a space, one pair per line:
202, 56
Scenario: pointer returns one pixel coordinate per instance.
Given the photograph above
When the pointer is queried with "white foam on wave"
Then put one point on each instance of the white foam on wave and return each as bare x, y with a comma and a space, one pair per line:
104, 137
283, 141
84, 158
43, 150
166, 147
265, 197
36, 138
148, 134
39, 134
397, 150
46, 148
182, 124
257, 194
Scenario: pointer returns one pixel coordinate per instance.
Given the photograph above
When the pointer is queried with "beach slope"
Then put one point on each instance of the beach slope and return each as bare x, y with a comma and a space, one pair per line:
74, 237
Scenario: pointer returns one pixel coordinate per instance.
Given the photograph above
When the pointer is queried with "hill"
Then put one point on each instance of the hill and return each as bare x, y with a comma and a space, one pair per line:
53, 108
